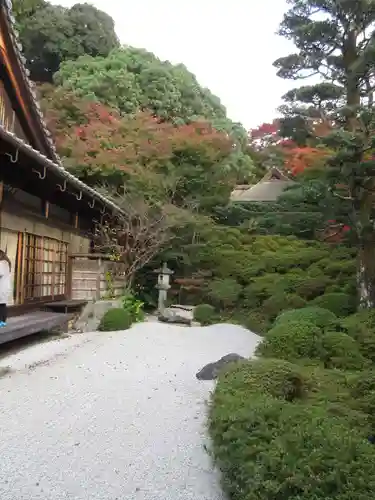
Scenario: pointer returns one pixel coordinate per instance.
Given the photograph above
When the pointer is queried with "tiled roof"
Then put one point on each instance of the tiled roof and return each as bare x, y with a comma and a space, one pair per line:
28, 83
268, 189
264, 191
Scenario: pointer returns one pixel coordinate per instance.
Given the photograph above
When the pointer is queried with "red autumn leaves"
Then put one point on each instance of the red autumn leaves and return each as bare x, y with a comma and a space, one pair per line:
296, 159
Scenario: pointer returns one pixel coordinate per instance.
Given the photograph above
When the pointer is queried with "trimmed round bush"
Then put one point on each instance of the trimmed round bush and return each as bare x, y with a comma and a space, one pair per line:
318, 316
205, 314
339, 350
292, 340
115, 319
281, 302
311, 287
361, 326
263, 287
363, 390
341, 304
257, 322
275, 377
269, 448
224, 292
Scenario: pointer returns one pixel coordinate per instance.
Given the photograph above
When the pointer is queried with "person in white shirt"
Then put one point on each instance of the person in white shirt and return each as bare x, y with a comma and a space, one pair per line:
5, 286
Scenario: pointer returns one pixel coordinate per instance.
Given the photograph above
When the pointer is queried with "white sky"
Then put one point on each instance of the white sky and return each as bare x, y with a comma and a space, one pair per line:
228, 45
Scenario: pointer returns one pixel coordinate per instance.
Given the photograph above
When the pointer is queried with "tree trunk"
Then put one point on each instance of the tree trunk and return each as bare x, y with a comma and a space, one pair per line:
366, 275
364, 203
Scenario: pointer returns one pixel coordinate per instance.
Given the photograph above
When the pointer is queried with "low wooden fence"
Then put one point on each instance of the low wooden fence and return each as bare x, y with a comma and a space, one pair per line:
95, 277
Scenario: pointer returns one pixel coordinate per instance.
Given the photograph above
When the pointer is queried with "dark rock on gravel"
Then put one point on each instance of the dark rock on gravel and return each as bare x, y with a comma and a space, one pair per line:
212, 370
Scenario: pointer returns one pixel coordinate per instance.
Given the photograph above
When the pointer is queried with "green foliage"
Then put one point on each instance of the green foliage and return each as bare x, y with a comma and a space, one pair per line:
339, 350
115, 319
131, 80
322, 318
51, 34
142, 81
133, 307
256, 321
328, 38
23, 8
110, 292
224, 292
189, 165
301, 339
279, 302
361, 326
274, 377
265, 266
292, 340
311, 287
270, 448
340, 304
301, 210
363, 392
205, 314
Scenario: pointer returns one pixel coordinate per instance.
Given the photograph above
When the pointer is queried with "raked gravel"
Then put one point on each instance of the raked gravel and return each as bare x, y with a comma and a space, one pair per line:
113, 416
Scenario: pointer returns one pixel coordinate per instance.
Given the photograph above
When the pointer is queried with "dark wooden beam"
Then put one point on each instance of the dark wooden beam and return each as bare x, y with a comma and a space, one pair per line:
45, 208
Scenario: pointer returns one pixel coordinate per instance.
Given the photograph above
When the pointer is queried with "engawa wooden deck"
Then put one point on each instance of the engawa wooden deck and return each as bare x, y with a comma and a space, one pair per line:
65, 305
28, 324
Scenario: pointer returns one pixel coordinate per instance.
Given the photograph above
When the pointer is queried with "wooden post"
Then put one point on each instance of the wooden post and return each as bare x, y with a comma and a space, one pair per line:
19, 269
98, 279
23, 256
69, 277
45, 208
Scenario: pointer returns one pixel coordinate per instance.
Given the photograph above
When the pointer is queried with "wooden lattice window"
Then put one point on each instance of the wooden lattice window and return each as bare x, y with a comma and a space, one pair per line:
45, 268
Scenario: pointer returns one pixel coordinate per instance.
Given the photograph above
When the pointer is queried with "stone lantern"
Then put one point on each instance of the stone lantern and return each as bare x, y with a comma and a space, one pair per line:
163, 285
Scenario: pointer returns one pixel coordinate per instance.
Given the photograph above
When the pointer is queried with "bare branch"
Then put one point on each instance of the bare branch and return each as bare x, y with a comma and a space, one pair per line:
139, 232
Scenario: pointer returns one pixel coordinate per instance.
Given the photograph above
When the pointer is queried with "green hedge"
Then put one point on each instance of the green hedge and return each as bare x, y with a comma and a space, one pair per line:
363, 391
268, 447
292, 340
339, 350
115, 319
298, 339
224, 292
205, 314
312, 287
361, 326
274, 377
279, 302
341, 304
257, 322
318, 316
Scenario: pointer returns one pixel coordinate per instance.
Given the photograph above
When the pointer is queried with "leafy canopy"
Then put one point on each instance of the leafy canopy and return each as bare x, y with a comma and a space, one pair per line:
51, 34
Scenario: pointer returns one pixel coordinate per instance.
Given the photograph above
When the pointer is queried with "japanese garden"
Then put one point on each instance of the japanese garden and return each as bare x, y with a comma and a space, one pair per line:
271, 229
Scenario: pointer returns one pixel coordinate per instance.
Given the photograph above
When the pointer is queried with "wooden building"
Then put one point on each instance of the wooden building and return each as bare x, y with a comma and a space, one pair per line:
46, 213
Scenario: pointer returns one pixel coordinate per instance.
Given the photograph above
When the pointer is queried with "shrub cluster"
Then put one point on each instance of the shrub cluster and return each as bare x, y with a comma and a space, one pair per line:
205, 314
121, 318
310, 333
269, 274
115, 319
279, 432
296, 422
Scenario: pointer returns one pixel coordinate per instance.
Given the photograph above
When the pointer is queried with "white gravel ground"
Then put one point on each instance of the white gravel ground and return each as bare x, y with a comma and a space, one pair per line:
112, 416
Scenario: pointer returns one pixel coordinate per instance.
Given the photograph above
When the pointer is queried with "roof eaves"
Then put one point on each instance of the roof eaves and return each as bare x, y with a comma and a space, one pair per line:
54, 163
257, 193
30, 86
59, 170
